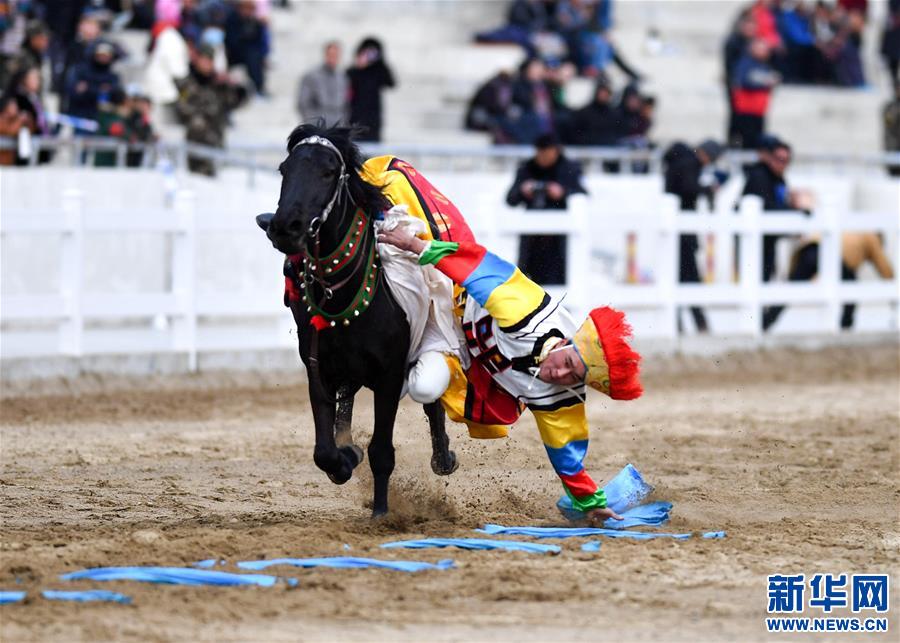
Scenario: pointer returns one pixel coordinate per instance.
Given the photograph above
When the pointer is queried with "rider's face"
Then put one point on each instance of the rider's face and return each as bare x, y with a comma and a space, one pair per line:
562, 366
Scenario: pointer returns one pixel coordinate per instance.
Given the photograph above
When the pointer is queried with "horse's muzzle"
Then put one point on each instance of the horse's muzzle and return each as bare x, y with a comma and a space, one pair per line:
264, 220
284, 239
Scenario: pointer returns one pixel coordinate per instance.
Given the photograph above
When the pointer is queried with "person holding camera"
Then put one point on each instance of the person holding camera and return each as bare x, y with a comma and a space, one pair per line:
545, 182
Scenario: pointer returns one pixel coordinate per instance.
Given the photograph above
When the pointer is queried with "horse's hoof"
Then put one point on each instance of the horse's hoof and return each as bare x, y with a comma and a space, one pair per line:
378, 513
359, 453
444, 466
337, 479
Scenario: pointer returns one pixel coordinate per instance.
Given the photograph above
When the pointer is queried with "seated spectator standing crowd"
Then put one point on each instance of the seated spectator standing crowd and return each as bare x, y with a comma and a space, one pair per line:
333, 95
72, 39
562, 39
517, 109
811, 42
576, 32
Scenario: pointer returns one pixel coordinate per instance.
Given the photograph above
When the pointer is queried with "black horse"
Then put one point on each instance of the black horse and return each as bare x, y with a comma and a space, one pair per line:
351, 331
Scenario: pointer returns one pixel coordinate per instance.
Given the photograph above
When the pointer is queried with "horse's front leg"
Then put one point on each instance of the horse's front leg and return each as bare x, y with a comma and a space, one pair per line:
343, 435
337, 462
443, 460
381, 448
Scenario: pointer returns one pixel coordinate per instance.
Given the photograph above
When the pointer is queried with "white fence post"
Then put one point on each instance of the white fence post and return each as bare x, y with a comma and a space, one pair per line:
667, 269
578, 251
184, 285
829, 261
750, 268
71, 331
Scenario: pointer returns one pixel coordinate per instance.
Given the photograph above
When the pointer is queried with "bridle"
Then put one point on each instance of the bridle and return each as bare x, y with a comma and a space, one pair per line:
350, 254
314, 271
340, 187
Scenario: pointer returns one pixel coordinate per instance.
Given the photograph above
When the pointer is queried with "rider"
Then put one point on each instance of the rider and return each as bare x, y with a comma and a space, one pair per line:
524, 350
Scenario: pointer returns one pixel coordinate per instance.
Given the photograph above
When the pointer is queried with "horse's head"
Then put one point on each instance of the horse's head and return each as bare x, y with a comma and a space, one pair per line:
318, 174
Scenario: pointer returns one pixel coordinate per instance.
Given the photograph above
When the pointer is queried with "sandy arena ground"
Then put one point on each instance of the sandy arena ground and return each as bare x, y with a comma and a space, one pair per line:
797, 456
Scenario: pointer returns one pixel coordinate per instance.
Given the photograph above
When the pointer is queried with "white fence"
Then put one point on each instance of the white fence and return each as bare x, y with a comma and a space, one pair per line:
90, 323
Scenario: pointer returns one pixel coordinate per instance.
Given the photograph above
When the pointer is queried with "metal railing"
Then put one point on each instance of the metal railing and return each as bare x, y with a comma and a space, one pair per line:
265, 157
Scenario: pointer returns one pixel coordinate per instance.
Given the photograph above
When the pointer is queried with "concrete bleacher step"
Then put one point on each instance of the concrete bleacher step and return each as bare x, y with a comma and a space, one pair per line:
429, 46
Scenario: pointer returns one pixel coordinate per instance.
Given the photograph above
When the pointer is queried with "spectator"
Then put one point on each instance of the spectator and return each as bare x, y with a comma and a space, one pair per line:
531, 114
12, 121
26, 88
557, 80
545, 182
525, 19
802, 58
204, 104
13, 20
246, 43
63, 23
754, 78
169, 62
111, 116
891, 119
598, 123
735, 46
766, 23
765, 179
323, 90
87, 36
369, 76
33, 50
684, 177
139, 128
91, 82
488, 108
597, 52
890, 40
857, 248
631, 113
191, 21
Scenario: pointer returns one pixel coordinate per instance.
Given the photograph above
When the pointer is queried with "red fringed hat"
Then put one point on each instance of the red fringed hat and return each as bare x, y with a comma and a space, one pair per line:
612, 365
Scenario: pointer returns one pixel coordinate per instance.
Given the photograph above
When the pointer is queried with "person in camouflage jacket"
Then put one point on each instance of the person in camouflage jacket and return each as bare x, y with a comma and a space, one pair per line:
204, 103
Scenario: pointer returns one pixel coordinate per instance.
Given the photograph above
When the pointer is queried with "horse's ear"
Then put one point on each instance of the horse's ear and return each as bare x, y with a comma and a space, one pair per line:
263, 220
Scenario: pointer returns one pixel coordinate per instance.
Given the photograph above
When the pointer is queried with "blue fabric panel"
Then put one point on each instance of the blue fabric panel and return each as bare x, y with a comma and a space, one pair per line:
473, 543
86, 596
651, 514
172, 576
569, 532
594, 545
626, 490
11, 597
347, 563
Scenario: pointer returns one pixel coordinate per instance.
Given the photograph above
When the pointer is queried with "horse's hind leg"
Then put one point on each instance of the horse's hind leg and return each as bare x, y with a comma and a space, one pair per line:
443, 460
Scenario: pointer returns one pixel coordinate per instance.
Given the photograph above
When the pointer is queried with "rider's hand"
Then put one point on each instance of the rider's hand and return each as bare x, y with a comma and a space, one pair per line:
598, 516
527, 188
401, 238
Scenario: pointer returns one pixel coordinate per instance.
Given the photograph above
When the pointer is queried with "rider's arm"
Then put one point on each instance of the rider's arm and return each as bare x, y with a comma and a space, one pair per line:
502, 289
564, 432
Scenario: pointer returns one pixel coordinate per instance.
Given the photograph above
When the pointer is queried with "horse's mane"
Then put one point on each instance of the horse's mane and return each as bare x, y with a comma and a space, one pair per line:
369, 197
